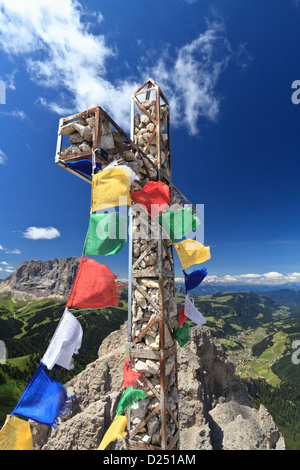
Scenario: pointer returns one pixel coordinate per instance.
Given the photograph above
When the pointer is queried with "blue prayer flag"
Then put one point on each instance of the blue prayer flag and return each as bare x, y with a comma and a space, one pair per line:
84, 166
194, 279
44, 400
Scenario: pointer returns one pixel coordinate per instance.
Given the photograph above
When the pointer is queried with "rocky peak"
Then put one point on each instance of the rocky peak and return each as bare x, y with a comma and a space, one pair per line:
37, 279
214, 409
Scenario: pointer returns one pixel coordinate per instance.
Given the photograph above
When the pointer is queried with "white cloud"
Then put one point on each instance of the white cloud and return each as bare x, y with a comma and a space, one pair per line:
69, 57
271, 278
1, 247
4, 262
249, 276
17, 113
189, 77
273, 275
41, 233
55, 39
3, 157
13, 252
100, 17
9, 270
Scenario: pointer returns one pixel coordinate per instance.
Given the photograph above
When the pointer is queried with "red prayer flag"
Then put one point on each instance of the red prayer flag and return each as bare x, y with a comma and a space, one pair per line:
130, 375
94, 286
155, 196
181, 317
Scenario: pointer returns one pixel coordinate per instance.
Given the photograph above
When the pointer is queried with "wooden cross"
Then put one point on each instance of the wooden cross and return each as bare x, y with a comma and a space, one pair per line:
153, 424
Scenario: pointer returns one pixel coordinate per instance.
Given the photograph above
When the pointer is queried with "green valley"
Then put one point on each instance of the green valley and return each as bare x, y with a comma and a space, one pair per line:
27, 328
255, 331
257, 334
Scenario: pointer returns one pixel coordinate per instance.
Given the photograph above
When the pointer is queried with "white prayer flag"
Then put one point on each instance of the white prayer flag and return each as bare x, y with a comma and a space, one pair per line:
192, 313
65, 342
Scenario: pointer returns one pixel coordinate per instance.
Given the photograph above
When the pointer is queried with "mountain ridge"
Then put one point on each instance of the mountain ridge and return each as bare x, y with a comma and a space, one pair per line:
36, 279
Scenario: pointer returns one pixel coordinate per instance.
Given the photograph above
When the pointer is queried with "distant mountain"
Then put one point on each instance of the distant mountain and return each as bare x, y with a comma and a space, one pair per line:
39, 279
288, 297
206, 288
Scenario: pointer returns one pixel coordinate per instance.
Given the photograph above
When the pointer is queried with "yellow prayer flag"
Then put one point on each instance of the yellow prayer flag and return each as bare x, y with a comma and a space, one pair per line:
15, 435
110, 188
115, 431
191, 252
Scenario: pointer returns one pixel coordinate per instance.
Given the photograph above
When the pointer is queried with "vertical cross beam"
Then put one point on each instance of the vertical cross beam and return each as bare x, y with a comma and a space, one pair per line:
152, 286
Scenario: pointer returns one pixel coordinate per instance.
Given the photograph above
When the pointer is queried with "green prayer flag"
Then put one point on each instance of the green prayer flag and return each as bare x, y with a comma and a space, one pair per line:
178, 223
106, 235
129, 398
182, 334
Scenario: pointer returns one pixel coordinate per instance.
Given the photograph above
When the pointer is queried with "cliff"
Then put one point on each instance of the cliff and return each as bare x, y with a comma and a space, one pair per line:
37, 279
214, 408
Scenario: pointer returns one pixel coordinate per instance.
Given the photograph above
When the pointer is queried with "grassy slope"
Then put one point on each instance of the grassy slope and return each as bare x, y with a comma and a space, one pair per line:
27, 327
255, 332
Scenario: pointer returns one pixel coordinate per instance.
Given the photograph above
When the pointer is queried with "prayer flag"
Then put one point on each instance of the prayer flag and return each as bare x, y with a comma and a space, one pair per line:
130, 375
84, 166
192, 313
110, 188
114, 164
115, 431
129, 398
195, 278
94, 286
65, 342
182, 334
106, 235
155, 196
191, 252
44, 400
181, 317
178, 223
15, 435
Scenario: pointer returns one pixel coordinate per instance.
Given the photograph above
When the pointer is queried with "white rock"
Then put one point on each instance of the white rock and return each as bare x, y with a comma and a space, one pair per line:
67, 129
75, 138
144, 119
84, 147
75, 150
90, 121
146, 439
150, 283
148, 103
152, 367
150, 127
86, 132
152, 343
107, 141
140, 409
141, 300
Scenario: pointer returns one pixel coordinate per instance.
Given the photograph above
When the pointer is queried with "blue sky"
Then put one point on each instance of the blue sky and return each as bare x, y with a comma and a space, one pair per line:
227, 69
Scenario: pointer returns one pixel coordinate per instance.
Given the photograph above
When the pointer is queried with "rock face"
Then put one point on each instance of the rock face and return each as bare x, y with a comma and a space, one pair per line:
37, 279
214, 409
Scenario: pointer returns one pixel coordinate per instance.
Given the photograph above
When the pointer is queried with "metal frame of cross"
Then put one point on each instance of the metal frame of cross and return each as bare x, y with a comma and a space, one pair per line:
154, 166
